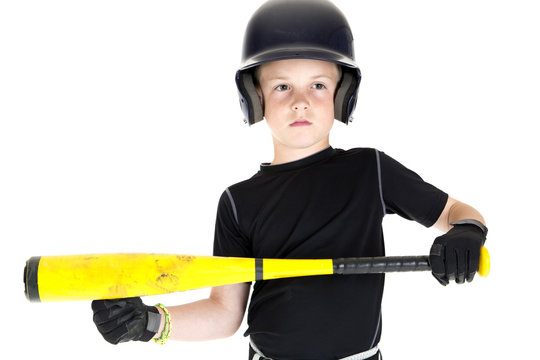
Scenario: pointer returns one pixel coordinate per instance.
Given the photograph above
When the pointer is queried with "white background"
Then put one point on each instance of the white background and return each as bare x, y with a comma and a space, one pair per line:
120, 128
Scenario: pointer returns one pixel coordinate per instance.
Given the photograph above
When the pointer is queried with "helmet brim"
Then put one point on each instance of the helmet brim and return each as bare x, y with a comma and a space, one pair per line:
297, 52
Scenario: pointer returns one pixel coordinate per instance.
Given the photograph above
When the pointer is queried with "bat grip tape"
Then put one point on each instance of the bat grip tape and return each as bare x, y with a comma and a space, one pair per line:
377, 265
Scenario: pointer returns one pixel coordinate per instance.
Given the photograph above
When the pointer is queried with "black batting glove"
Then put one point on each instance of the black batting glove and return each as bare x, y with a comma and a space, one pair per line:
456, 254
122, 320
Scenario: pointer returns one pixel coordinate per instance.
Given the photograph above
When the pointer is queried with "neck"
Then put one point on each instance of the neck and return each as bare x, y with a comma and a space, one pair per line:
284, 154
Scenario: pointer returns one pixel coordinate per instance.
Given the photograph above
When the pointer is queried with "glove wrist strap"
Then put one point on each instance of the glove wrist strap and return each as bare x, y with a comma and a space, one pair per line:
152, 327
472, 222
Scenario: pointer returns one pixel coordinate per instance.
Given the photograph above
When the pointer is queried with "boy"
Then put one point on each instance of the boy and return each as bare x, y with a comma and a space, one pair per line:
311, 201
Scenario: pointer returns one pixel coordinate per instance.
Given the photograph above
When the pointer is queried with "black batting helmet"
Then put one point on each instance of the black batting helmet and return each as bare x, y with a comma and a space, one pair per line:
298, 29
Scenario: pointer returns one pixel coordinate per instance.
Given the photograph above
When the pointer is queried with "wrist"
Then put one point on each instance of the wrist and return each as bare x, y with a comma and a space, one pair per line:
165, 332
161, 323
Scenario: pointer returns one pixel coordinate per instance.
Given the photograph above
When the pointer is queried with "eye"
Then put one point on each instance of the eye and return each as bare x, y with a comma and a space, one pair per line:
319, 86
282, 87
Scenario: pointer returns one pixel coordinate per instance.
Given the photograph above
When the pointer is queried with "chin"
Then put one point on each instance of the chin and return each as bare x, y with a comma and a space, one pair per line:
303, 143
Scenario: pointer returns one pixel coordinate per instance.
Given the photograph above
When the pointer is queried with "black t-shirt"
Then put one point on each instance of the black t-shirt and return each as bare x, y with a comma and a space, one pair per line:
328, 205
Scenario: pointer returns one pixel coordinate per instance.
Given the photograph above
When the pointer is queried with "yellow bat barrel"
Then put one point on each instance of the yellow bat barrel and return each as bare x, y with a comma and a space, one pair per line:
283, 268
108, 276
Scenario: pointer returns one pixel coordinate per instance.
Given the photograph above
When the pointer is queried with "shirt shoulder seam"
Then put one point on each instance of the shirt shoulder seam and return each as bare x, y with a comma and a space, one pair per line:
379, 176
233, 205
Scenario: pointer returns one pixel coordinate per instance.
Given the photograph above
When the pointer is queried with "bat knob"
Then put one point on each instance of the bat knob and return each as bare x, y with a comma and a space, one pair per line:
31, 289
484, 266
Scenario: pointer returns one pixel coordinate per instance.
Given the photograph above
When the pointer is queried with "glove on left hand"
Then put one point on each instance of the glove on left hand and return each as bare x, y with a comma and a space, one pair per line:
456, 254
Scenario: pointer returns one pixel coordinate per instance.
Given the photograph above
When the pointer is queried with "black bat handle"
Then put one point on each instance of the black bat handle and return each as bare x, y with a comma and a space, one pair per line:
377, 265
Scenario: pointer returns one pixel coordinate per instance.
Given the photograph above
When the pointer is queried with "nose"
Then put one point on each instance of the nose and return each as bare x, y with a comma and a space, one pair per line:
300, 102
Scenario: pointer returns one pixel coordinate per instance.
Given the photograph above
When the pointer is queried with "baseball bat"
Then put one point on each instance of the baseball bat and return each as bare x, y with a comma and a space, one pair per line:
109, 276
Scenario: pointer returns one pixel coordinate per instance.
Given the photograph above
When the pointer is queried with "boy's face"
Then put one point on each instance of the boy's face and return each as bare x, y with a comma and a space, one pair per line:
298, 97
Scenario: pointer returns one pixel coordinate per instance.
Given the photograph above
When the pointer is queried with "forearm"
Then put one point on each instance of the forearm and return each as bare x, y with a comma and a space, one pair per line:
462, 211
454, 211
201, 320
208, 319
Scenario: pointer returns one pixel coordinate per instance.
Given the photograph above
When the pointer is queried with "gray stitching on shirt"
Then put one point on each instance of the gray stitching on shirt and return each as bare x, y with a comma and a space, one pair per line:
376, 331
232, 204
380, 181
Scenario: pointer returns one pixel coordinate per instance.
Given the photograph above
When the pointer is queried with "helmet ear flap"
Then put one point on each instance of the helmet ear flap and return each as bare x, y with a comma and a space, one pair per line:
249, 98
345, 97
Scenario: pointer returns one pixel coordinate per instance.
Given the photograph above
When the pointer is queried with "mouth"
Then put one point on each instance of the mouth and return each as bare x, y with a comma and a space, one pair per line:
300, 122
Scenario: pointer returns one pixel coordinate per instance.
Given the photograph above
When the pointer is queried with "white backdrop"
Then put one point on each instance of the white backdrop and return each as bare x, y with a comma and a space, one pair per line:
120, 128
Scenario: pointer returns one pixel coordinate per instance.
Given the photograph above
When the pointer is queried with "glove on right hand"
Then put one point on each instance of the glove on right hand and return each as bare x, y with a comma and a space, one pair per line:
456, 254
121, 320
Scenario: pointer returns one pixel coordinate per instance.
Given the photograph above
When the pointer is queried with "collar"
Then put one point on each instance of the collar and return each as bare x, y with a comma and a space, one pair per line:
320, 156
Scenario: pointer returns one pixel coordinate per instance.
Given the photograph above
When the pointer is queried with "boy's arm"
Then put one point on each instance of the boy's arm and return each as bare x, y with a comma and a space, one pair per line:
129, 319
218, 316
456, 254
455, 210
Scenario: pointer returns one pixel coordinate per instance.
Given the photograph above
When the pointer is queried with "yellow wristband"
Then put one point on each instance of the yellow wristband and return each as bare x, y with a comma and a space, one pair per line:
166, 333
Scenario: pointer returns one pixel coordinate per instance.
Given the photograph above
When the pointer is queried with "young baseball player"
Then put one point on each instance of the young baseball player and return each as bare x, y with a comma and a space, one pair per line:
312, 201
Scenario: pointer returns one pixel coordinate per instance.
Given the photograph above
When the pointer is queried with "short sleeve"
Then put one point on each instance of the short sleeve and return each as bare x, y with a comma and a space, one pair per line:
406, 194
228, 238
